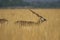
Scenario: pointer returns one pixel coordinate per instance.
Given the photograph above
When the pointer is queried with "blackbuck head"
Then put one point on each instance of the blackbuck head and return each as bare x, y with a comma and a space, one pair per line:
41, 19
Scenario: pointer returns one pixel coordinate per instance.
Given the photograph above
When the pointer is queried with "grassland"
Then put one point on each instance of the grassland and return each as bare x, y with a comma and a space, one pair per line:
48, 30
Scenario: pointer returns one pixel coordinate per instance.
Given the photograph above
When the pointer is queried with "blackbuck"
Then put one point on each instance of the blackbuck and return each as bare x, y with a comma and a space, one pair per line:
2, 21
26, 23
30, 25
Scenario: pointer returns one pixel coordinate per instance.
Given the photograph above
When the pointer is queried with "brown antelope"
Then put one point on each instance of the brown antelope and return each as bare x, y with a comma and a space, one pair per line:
25, 23
30, 23
3, 21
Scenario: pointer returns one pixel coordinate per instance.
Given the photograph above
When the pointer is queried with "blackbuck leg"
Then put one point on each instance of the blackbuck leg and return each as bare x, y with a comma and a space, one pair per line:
21, 31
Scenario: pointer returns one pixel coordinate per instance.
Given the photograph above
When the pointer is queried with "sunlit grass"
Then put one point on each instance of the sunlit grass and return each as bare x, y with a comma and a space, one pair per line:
49, 30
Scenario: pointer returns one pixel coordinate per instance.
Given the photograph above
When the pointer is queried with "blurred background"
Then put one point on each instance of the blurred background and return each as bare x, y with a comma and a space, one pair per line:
30, 3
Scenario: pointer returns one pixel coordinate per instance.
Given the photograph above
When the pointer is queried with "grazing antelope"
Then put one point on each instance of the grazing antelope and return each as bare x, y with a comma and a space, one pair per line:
30, 23
3, 21
25, 23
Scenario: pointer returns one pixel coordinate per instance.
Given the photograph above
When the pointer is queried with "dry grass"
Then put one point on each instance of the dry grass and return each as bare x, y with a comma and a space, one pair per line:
49, 30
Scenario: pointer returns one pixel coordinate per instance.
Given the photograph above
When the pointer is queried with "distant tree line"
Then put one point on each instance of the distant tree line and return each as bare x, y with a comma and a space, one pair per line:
21, 3
46, 4
8, 3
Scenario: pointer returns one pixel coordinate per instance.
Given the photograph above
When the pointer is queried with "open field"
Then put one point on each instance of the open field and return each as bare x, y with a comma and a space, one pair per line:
48, 30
